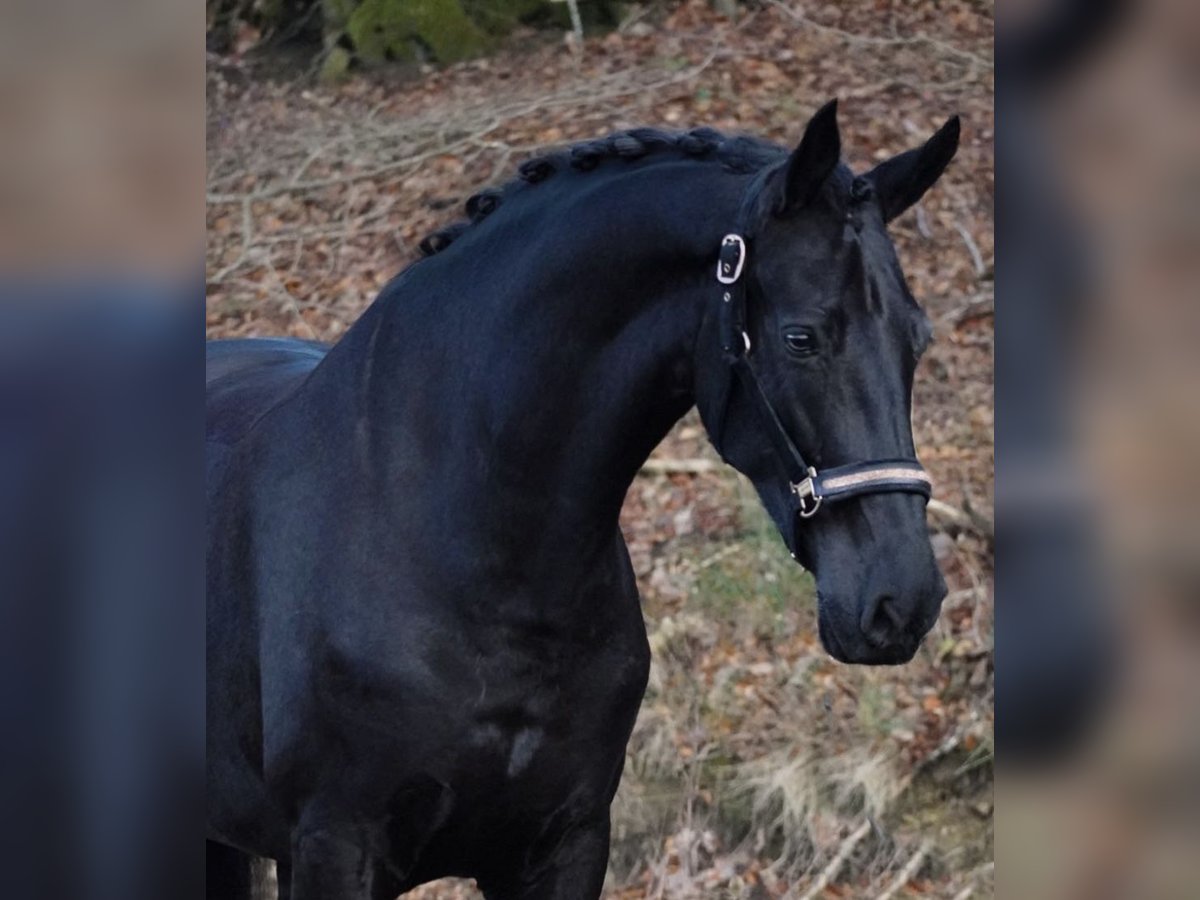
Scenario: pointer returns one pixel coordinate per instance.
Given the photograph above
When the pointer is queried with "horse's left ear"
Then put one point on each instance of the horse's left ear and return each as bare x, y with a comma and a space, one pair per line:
901, 181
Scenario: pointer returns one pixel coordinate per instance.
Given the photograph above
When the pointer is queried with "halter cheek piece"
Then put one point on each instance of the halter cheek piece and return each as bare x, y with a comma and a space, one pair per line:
809, 487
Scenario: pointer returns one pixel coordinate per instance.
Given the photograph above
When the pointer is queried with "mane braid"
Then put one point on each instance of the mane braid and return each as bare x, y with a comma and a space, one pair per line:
740, 154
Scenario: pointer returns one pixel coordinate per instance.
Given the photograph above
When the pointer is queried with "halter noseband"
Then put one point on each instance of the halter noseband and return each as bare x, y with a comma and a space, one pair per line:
809, 487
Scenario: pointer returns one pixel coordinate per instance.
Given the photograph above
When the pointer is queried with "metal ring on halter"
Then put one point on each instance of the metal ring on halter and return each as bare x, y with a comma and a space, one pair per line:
806, 493
729, 271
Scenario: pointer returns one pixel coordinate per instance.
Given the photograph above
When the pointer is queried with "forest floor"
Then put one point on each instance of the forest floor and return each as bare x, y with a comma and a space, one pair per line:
758, 767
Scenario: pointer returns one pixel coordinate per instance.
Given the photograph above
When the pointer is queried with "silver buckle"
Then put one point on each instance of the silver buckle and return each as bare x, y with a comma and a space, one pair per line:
806, 492
723, 274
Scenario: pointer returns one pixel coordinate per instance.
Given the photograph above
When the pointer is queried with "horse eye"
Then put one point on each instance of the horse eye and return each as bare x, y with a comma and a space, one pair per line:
802, 343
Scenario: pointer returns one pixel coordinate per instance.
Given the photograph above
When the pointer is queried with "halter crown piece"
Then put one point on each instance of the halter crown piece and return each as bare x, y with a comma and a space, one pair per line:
809, 487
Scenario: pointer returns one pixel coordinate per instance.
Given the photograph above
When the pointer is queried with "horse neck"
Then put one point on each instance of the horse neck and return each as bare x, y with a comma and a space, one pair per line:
532, 367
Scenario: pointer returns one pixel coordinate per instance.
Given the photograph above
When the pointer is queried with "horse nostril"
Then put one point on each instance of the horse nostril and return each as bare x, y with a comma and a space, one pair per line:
882, 621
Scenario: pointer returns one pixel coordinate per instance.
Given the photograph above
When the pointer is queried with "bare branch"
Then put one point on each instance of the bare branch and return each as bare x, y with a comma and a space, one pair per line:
967, 519
907, 873
875, 41
972, 248
832, 870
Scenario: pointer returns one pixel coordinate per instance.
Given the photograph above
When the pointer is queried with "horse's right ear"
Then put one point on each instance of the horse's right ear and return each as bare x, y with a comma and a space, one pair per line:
810, 163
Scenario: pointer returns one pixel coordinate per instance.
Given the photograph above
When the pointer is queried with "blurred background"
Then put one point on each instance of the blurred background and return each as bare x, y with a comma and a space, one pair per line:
1100, 394
340, 134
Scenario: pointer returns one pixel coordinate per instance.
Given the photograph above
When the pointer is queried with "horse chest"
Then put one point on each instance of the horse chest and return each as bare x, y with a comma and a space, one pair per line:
539, 749
543, 701
489, 701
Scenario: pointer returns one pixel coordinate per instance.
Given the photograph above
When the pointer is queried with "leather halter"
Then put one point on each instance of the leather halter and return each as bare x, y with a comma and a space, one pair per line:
810, 487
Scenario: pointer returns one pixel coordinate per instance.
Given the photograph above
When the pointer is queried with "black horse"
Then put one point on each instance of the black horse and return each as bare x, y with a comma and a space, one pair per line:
425, 645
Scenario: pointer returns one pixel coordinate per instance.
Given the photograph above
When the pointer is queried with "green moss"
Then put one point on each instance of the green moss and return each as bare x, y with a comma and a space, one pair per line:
449, 30
757, 585
337, 13
876, 709
392, 29
336, 65
271, 11
943, 803
499, 17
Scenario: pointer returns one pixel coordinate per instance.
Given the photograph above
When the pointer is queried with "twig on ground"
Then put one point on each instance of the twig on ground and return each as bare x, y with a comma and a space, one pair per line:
976, 306
906, 874
581, 95
923, 222
973, 883
972, 248
963, 519
247, 243
876, 41
638, 13
946, 511
350, 177
308, 161
576, 23
832, 870
713, 558
956, 597
979, 522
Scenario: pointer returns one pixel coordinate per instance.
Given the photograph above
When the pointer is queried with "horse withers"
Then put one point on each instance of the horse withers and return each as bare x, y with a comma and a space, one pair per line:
425, 644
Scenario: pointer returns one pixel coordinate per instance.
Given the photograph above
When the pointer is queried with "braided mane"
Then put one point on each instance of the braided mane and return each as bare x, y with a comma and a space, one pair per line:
735, 154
